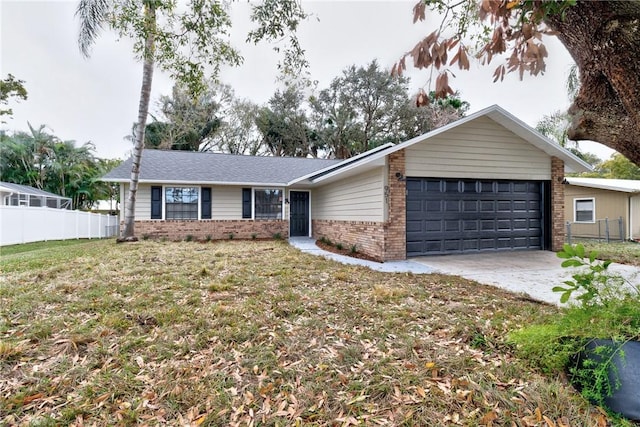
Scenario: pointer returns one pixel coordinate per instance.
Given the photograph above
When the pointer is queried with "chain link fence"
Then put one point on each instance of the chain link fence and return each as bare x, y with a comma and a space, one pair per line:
603, 230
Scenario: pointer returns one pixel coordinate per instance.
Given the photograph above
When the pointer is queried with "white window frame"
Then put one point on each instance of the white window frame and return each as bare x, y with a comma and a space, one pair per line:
164, 201
253, 202
575, 209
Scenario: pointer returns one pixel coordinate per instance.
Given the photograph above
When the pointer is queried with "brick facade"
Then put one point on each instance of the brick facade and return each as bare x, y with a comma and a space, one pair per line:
395, 228
557, 204
368, 237
214, 229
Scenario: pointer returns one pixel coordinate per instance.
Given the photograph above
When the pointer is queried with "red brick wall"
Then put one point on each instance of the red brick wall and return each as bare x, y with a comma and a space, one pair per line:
216, 229
367, 236
557, 204
395, 229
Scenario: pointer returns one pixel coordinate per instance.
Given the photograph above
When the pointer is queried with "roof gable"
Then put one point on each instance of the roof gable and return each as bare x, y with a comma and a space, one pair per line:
503, 118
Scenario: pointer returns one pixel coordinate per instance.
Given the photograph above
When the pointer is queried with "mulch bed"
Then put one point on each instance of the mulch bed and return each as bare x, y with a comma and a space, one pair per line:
344, 251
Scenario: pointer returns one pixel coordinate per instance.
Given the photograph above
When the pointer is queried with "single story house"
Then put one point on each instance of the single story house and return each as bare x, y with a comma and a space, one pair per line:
23, 195
487, 182
591, 200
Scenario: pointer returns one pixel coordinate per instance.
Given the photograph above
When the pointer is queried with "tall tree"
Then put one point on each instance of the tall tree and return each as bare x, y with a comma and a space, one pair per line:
185, 42
10, 87
284, 125
186, 121
601, 37
366, 107
238, 132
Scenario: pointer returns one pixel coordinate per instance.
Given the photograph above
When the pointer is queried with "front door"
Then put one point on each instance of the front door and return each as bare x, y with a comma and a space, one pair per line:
299, 213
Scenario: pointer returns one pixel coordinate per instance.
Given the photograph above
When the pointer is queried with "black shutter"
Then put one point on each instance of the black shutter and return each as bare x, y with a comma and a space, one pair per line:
246, 203
205, 204
156, 202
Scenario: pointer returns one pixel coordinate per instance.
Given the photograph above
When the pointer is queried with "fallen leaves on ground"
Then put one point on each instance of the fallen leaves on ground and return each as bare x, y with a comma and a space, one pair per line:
257, 333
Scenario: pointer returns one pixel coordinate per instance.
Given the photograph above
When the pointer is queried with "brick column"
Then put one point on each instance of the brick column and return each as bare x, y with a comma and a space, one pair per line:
395, 247
557, 204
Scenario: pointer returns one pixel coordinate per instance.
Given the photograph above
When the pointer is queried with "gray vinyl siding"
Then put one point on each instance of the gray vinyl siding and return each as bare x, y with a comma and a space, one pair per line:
226, 202
357, 198
480, 148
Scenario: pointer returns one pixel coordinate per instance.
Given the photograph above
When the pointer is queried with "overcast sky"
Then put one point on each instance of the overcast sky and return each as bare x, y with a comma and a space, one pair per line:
96, 99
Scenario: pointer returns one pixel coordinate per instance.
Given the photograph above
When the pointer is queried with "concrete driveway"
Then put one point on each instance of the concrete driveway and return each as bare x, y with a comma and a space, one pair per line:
531, 272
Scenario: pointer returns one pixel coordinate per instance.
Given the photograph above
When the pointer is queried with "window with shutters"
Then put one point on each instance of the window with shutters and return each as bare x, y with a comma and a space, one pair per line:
584, 210
181, 202
268, 203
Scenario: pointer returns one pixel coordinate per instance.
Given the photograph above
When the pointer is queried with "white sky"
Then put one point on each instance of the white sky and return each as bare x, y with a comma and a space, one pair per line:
96, 99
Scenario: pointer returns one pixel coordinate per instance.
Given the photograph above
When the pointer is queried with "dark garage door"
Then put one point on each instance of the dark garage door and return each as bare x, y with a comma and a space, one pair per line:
446, 216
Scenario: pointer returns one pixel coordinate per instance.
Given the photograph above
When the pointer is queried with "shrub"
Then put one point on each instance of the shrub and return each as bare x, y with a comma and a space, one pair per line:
253, 236
231, 236
354, 249
605, 308
208, 238
339, 246
277, 236
188, 238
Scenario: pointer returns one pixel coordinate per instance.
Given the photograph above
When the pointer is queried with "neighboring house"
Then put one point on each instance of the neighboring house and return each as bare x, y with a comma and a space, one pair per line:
487, 182
591, 200
23, 195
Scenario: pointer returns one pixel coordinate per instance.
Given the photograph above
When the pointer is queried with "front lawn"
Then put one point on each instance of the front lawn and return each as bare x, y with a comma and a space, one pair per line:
622, 252
257, 333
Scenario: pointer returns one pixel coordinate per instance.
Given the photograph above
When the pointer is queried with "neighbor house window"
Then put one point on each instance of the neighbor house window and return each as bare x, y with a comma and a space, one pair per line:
585, 210
181, 202
268, 203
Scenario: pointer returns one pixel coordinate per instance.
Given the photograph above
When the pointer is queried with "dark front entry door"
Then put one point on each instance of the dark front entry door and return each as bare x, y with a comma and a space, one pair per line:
299, 213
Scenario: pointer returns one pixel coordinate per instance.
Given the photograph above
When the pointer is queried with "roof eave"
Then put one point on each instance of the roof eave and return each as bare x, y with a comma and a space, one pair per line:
180, 182
361, 158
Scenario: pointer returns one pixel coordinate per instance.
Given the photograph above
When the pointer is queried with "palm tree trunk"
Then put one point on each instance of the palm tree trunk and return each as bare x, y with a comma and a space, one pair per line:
143, 109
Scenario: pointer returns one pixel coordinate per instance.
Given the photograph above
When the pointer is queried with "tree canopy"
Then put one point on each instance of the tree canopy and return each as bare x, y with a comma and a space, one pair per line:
10, 87
362, 108
42, 160
601, 37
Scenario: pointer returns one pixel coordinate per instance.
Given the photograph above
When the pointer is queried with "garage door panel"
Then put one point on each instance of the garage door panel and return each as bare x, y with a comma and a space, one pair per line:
456, 216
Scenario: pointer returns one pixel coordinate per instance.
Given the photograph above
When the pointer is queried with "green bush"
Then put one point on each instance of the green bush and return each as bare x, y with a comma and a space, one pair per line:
605, 307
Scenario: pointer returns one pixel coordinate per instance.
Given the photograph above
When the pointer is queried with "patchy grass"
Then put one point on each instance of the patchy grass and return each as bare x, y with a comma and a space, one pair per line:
36, 246
244, 333
622, 252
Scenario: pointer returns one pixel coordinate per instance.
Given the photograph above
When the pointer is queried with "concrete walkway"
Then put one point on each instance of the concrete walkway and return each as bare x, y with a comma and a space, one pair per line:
533, 273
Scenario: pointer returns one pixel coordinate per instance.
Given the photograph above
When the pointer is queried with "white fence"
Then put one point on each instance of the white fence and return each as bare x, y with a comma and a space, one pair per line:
23, 224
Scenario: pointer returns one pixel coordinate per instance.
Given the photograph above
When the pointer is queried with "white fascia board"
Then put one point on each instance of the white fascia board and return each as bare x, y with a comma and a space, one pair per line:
599, 186
339, 166
221, 183
538, 140
515, 125
353, 166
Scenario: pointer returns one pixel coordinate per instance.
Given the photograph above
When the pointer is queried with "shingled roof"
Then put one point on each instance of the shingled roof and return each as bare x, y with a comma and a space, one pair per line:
216, 168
